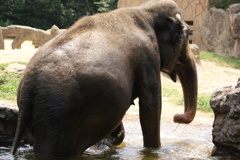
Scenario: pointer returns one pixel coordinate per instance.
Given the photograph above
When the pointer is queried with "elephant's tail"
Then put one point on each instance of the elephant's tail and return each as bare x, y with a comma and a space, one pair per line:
24, 115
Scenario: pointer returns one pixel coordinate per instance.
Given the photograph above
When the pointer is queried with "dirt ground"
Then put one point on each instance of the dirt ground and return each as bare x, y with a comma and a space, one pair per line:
210, 77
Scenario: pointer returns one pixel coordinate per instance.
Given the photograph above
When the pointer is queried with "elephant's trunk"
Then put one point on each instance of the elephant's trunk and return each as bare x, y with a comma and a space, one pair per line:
187, 73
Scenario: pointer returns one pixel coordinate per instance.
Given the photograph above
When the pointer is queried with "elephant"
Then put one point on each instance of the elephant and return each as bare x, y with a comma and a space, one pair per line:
78, 86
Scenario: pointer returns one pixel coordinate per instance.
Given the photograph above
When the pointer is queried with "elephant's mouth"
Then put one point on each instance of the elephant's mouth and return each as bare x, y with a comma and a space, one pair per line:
172, 73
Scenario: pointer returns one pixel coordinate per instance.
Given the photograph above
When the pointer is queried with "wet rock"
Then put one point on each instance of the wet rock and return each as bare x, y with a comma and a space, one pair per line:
8, 124
225, 103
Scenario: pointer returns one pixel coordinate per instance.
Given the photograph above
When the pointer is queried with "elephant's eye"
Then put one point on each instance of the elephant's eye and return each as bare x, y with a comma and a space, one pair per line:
176, 39
190, 32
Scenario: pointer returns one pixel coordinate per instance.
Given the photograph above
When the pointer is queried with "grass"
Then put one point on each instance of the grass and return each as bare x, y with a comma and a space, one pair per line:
172, 91
9, 82
174, 94
231, 62
219, 60
8, 85
3, 66
203, 102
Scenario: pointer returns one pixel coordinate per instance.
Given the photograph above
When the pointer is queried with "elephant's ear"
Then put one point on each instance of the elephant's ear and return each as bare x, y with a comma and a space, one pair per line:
171, 34
175, 28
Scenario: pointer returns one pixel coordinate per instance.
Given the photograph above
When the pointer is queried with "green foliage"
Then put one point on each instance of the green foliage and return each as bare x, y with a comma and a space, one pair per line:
219, 60
176, 97
3, 66
45, 13
224, 4
8, 85
9, 82
203, 102
6, 10
167, 92
106, 5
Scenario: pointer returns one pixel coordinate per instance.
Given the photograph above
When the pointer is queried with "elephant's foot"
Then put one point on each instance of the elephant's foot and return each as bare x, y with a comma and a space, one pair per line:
115, 138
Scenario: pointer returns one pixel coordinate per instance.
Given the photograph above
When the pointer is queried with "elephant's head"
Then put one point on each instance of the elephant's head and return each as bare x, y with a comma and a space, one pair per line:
177, 60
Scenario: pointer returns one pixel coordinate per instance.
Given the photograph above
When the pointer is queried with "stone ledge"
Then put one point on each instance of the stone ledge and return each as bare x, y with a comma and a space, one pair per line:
8, 124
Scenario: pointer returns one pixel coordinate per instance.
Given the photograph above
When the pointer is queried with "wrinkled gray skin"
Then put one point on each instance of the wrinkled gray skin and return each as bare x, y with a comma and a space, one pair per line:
77, 87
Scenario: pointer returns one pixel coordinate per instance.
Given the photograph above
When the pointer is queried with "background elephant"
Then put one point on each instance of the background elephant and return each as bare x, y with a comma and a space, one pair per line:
78, 86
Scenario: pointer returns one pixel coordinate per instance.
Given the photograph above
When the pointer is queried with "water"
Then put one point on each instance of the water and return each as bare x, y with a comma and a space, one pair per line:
180, 150
174, 147
179, 142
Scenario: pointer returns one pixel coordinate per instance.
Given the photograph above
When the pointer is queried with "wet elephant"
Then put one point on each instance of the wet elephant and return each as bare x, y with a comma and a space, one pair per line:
78, 86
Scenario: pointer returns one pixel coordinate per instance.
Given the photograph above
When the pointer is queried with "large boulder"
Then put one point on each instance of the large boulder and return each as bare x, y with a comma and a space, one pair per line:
221, 31
234, 13
215, 32
225, 103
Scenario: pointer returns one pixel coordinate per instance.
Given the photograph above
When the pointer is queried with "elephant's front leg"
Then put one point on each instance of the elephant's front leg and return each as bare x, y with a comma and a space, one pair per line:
150, 113
150, 123
115, 138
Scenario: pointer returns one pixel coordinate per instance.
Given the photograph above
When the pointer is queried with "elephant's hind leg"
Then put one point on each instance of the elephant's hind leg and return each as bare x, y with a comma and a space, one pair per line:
115, 138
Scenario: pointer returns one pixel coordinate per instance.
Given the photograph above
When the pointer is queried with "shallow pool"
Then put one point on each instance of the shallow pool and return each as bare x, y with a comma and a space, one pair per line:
174, 147
179, 142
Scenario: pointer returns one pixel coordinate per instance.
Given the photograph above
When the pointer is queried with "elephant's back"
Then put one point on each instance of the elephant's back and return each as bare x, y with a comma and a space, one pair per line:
70, 75
90, 65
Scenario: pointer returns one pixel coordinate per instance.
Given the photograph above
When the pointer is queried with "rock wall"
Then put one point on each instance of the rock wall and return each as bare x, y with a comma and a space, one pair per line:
225, 103
8, 124
193, 12
221, 31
